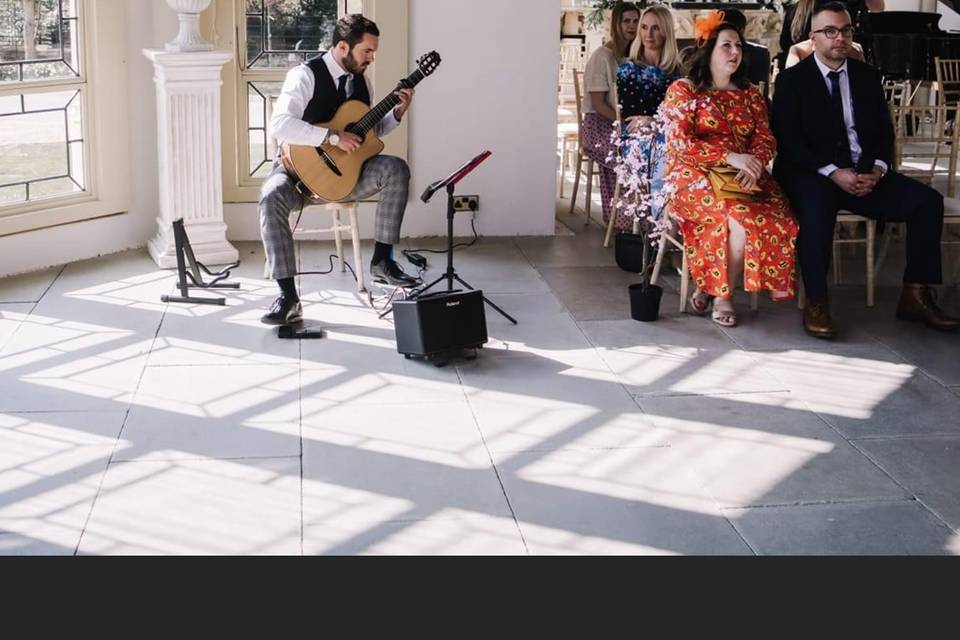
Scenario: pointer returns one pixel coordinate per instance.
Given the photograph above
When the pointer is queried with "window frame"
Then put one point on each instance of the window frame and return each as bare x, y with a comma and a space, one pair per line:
229, 32
103, 75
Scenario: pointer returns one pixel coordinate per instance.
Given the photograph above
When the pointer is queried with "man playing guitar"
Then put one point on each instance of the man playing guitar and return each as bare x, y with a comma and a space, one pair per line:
312, 92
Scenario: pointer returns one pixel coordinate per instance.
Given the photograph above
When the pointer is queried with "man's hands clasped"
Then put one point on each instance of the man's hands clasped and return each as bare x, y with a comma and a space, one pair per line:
857, 184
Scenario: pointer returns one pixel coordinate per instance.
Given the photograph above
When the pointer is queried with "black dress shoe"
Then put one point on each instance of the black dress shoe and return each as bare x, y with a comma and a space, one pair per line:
387, 271
284, 311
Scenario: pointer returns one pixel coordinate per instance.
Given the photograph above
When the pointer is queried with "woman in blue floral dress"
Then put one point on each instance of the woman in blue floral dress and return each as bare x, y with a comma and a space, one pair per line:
642, 83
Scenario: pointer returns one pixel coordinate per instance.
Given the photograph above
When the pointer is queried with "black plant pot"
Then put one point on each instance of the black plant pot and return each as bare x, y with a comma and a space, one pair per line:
628, 251
645, 301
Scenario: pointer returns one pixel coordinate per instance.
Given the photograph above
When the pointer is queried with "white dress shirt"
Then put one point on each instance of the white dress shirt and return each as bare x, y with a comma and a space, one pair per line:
855, 148
287, 124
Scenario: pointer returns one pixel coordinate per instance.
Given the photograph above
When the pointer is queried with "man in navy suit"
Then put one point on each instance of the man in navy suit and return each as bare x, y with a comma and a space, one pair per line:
835, 146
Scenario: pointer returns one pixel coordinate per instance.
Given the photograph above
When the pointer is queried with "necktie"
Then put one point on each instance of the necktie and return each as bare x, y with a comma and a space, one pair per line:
342, 89
842, 155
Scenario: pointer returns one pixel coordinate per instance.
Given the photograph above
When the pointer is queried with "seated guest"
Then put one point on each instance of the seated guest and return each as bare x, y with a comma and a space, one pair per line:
720, 120
831, 160
797, 18
642, 82
599, 107
758, 56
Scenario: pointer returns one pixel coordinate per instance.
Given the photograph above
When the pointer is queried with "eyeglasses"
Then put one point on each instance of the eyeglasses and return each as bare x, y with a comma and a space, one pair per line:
833, 32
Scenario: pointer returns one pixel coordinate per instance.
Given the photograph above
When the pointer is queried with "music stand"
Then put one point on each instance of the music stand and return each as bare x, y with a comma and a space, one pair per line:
450, 182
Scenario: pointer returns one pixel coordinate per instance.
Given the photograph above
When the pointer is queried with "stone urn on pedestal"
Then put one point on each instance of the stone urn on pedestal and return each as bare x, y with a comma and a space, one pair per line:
187, 77
189, 38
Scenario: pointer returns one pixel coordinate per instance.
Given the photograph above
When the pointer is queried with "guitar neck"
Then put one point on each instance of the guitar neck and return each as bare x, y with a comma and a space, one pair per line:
380, 111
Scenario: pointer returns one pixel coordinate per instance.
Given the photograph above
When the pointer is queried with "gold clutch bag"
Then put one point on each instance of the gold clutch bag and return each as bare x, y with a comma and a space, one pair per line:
725, 185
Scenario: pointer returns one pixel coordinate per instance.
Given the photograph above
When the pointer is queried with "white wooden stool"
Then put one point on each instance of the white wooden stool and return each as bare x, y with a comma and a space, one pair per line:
337, 227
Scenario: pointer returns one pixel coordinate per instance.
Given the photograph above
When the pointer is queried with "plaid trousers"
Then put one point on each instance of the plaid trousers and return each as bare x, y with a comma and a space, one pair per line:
387, 175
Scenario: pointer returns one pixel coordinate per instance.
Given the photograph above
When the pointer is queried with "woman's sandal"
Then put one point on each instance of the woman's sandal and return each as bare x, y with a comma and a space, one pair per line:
723, 315
700, 301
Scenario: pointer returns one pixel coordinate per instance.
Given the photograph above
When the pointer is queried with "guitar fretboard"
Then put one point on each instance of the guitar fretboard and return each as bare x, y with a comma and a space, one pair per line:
380, 111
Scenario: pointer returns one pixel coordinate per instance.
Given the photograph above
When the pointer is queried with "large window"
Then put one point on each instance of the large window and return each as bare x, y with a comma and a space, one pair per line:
271, 36
278, 34
285, 32
42, 152
64, 153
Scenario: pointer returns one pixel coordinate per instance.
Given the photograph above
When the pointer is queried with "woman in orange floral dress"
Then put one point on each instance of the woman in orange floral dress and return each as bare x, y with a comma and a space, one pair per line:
718, 119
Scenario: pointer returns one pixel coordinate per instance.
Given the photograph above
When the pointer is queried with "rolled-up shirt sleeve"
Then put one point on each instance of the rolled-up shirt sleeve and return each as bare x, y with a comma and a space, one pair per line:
287, 123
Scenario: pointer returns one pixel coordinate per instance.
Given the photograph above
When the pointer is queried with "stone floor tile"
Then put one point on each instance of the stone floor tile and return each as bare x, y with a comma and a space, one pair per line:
449, 533
217, 412
872, 528
927, 467
753, 449
866, 392
11, 317
657, 370
249, 507
681, 331
349, 484
28, 287
603, 502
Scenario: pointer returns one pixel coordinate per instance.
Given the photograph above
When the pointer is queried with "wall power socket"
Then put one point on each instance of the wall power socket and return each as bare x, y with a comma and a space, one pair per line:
466, 203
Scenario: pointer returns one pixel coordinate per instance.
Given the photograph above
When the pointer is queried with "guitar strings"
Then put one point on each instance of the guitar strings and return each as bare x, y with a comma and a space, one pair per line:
376, 114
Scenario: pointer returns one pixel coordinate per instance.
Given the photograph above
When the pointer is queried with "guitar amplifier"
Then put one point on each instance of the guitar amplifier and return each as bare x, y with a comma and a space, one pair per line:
439, 323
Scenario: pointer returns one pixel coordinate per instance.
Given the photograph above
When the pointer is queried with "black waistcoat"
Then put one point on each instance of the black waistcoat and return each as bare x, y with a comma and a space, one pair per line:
325, 102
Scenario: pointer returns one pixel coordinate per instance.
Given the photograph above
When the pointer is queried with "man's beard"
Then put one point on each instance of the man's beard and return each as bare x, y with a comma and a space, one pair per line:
350, 63
837, 56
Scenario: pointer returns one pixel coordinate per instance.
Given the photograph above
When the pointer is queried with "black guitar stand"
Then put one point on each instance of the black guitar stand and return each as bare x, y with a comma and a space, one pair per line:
450, 274
184, 256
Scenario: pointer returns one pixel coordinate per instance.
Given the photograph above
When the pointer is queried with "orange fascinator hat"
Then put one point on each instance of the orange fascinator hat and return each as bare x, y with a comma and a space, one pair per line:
705, 27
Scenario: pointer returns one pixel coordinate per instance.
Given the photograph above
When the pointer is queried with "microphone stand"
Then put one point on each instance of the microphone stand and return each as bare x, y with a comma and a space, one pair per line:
451, 274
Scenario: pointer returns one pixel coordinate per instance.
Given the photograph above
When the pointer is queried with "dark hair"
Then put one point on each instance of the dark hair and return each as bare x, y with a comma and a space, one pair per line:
617, 44
698, 65
736, 18
835, 7
352, 27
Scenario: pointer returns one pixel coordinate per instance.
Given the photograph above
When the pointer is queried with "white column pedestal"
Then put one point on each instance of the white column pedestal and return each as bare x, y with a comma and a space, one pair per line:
190, 169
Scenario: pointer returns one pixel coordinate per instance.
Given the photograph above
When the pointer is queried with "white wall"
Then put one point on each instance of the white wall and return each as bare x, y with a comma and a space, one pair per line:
149, 24
495, 89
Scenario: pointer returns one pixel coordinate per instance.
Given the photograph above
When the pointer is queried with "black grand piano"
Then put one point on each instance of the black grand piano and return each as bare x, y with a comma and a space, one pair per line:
904, 44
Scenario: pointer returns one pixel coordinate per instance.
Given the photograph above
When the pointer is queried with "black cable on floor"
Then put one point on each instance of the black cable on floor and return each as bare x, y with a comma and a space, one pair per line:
476, 237
370, 297
330, 270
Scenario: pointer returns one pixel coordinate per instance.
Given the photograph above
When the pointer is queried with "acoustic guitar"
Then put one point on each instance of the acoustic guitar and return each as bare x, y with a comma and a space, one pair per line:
330, 173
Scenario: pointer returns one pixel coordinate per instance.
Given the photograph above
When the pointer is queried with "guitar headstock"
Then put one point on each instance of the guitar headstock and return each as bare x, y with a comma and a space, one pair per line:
428, 63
